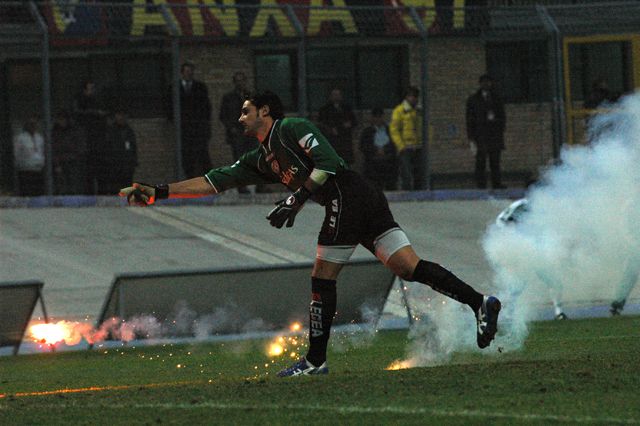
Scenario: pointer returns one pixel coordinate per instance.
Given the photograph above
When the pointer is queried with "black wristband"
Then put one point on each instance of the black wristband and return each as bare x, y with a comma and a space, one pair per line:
162, 191
303, 193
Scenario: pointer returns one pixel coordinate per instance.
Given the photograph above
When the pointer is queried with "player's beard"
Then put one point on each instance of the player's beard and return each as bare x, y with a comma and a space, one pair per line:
252, 130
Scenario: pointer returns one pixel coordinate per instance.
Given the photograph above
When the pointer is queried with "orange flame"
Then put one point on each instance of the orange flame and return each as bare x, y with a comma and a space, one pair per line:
400, 365
70, 333
282, 344
275, 349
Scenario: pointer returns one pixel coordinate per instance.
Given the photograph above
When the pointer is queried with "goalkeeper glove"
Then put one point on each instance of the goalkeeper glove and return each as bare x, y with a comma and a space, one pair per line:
143, 194
287, 209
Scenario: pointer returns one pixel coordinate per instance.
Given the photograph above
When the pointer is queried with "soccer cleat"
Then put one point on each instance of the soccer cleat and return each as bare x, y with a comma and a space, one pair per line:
304, 368
616, 307
487, 319
562, 316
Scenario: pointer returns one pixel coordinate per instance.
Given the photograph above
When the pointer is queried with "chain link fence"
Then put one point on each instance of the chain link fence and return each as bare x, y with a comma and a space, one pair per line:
68, 27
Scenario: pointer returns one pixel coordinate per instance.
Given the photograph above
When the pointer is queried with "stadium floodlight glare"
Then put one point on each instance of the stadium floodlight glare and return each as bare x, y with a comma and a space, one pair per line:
242, 300
17, 302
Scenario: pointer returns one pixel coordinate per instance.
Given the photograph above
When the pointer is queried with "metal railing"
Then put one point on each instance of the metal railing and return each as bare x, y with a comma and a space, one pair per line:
64, 25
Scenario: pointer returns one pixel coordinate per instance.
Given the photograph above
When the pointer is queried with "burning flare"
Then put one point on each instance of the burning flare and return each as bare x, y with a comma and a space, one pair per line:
400, 365
70, 333
275, 349
283, 344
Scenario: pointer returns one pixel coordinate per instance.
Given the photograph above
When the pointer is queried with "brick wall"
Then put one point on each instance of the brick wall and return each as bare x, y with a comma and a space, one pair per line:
215, 66
454, 67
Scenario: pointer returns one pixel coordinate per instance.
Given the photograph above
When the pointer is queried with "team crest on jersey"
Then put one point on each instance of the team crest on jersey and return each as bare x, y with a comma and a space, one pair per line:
308, 142
275, 166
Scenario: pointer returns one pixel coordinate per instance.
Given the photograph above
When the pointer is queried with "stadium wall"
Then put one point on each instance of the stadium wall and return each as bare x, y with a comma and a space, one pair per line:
454, 65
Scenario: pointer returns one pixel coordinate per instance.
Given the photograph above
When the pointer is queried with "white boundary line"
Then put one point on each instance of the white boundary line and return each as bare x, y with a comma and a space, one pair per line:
341, 409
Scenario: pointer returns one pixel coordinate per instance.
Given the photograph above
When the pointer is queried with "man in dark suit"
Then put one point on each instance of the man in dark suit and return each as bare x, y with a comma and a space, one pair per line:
337, 121
380, 162
195, 123
485, 129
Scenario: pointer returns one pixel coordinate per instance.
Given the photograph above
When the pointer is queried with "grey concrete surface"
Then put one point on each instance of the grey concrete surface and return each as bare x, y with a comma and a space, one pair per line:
77, 251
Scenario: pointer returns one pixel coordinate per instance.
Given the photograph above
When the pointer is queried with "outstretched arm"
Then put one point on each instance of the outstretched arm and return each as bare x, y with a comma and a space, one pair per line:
143, 194
191, 188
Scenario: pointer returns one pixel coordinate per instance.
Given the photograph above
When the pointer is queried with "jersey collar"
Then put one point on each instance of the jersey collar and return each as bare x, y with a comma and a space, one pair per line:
273, 127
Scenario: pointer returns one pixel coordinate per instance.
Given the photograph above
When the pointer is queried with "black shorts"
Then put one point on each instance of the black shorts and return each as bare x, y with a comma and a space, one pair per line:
356, 212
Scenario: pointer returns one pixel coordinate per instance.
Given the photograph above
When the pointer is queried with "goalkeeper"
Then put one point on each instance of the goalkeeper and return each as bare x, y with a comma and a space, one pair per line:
293, 152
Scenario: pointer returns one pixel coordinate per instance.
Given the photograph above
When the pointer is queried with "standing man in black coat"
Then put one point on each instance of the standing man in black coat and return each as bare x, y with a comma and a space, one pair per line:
337, 122
195, 122
91, 116
485, 129
379, 151
118, 157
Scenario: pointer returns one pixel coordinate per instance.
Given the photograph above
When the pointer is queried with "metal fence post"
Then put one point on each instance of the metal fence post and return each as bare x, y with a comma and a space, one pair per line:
424, 77
301, 55
175, 90
557, 81
46, 98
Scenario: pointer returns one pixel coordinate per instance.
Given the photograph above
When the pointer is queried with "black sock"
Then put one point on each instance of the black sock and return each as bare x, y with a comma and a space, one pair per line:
321, 312
443, 281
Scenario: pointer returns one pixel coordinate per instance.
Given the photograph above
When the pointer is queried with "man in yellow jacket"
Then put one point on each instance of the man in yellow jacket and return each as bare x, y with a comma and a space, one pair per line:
407, 137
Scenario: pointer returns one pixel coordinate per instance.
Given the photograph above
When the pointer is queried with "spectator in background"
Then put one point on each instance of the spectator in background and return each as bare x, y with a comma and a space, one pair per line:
229, 113
599, 98
380, 163
405, 129
119, 156
91, 116
599, 94
195, 122
337, 122
69, 156
486, 122
28, 150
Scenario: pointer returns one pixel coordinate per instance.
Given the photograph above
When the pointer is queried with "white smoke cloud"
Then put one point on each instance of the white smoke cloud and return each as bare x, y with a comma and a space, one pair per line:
579, 243
447, 327
182, 322
580, 234
356, 335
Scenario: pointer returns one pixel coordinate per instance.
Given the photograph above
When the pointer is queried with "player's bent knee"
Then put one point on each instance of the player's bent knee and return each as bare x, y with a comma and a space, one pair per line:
403, 263
404, 271
326, 270
389, 243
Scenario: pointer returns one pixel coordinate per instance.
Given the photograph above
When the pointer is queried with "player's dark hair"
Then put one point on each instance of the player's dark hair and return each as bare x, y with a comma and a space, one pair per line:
377, 112
485, 77
276, 110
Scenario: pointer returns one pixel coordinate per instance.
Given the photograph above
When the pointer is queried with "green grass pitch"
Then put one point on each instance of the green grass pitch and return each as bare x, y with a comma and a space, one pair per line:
577, 371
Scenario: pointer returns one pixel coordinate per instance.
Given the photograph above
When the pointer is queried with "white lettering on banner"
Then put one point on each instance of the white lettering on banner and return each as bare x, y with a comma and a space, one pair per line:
334, 206
223, 18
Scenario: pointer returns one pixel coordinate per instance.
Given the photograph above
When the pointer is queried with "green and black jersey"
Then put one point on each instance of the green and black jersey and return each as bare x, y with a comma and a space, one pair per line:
293, 148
